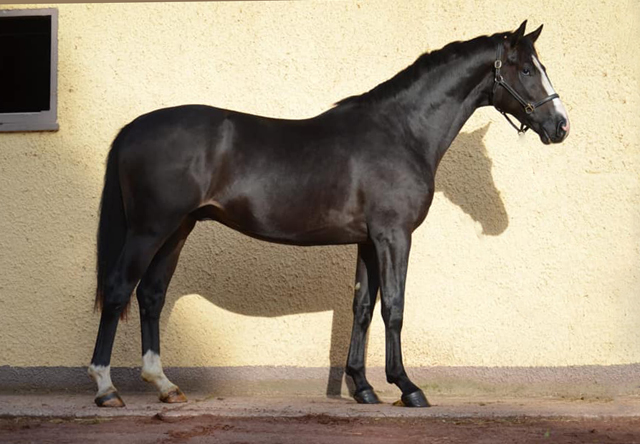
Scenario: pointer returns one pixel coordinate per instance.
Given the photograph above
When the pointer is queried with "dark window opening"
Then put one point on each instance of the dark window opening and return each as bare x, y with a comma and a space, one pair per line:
28, 69
25, 64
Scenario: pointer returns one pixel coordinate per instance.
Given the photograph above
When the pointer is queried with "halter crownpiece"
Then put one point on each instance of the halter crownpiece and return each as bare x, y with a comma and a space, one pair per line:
528, 107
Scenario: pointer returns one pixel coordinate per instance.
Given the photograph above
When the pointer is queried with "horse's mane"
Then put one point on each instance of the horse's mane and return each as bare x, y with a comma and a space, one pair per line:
425, 63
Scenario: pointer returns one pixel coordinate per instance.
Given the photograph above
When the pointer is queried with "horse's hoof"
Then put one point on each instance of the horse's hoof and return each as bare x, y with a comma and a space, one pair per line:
366, 396
175, 396
415, 399
111, 399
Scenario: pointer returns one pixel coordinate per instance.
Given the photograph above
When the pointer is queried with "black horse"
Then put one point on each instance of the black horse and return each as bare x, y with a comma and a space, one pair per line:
361, 173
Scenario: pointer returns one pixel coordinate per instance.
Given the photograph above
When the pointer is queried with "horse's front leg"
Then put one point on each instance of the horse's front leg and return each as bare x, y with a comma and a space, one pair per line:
392, 247
364, 301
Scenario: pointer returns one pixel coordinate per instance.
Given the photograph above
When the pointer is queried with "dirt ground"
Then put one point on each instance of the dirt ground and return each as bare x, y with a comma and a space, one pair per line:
317, 429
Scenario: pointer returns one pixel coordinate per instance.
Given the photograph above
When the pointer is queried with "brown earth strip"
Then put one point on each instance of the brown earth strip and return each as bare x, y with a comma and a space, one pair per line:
319, 429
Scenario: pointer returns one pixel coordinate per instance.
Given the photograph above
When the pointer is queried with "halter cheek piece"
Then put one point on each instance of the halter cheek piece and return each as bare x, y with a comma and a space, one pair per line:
528, 107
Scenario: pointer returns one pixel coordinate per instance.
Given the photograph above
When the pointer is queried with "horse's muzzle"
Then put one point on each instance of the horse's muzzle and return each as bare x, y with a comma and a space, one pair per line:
557, 133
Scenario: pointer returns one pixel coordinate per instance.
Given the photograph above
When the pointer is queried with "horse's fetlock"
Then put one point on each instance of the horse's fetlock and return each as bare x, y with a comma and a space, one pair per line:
391, 379
396, 374
148, 377
352, 370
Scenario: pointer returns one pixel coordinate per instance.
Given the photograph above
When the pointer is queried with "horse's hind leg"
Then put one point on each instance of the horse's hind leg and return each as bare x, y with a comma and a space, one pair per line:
151, 294
137, 253
366, 290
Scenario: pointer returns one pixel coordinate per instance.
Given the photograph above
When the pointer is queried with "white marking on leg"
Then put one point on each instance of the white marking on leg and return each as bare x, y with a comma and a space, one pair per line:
152, 372
102, 376
546, 84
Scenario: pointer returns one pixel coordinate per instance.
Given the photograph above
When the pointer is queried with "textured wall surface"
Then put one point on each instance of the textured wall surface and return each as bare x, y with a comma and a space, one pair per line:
529, 257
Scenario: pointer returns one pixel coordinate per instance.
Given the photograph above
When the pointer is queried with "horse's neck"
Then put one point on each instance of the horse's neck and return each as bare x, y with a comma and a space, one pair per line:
439, 103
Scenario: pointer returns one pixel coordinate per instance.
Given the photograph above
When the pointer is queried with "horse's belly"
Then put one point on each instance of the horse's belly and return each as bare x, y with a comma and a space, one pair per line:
287, 225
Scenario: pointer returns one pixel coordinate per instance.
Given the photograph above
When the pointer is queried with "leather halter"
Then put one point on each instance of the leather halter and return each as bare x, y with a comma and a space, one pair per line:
528, 107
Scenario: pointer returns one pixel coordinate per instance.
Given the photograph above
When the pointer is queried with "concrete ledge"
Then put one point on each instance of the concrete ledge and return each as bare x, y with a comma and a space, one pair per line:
574, 381
146, 405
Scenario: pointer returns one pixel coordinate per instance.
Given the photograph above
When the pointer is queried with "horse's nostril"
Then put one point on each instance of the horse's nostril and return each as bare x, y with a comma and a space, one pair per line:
563, 128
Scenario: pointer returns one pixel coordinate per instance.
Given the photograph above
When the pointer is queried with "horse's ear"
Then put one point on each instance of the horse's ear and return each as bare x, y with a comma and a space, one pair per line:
535, 34
518, 34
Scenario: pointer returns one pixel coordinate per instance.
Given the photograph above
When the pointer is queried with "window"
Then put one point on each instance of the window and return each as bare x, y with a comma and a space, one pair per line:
28, 69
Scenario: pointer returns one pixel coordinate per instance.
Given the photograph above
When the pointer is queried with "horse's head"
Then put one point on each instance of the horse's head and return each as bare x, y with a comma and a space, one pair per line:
522, 88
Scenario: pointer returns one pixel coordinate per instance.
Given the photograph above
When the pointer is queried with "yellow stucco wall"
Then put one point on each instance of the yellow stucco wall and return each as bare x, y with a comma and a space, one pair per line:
529, 257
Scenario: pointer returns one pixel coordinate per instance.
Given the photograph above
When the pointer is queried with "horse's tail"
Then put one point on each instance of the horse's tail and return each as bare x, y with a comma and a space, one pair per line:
112, 227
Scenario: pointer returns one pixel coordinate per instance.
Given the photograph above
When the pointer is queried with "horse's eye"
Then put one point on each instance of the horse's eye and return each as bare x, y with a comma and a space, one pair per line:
526, 71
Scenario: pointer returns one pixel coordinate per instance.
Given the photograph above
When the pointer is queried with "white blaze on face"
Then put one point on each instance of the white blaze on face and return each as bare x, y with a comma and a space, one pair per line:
102, 376
546, 84
152, 372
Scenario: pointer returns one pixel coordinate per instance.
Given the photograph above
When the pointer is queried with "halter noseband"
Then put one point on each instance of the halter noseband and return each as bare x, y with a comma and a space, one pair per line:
527, 106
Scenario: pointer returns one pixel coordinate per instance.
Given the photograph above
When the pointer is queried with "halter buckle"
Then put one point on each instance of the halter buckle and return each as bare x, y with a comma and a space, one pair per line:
529, 108
497, 64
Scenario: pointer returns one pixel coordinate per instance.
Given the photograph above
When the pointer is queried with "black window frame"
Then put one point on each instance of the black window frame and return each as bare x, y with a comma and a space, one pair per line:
46, 120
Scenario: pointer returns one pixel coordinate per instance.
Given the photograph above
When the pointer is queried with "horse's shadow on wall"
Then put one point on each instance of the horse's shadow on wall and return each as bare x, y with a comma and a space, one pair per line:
254, 278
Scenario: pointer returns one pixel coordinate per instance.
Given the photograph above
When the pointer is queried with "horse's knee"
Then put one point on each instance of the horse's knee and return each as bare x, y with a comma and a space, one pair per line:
393, 319
362, 315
